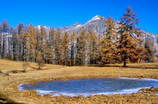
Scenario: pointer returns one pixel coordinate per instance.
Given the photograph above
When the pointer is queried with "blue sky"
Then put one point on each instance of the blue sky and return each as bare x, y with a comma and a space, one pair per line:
58, 13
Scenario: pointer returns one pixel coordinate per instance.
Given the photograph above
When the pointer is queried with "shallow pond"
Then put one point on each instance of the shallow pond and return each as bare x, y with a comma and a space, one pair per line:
88, 87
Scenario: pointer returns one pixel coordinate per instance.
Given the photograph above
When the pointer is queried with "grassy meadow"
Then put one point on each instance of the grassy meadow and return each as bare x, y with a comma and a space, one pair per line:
11, 76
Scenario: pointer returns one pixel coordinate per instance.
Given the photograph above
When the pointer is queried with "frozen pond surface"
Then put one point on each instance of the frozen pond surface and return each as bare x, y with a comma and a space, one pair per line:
89, 87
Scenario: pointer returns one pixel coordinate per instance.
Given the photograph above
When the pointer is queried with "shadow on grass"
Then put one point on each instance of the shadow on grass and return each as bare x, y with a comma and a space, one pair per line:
36, 68
137, 66
133, 66
5, 100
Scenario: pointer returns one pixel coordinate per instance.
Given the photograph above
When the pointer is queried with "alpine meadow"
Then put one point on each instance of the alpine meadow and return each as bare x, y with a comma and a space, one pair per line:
105, 60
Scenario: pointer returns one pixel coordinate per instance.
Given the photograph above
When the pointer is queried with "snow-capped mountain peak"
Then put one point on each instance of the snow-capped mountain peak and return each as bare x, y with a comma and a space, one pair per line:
96, 18
96, 23
77, 25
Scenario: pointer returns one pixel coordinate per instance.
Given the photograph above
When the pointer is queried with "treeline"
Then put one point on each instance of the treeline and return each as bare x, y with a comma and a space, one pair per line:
121, 42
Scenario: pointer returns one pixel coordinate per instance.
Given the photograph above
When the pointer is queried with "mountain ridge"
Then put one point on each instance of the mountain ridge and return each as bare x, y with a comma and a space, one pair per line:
96, 23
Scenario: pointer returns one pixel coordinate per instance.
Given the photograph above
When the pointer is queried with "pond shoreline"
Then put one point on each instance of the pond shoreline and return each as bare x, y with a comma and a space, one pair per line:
122, 92
35, 95
9, 84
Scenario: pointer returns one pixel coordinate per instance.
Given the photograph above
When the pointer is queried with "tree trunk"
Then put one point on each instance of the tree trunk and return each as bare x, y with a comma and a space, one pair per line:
125, 62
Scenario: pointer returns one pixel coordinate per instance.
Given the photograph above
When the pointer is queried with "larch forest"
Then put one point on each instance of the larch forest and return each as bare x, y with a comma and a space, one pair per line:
121, 42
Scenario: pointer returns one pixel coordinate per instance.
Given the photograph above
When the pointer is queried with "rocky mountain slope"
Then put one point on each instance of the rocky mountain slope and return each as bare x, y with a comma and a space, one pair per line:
97, 24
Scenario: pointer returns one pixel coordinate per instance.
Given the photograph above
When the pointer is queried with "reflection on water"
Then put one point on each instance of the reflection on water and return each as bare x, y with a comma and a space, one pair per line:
87, 87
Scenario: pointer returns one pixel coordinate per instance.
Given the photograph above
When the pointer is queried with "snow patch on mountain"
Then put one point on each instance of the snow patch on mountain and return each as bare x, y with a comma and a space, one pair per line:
95, 18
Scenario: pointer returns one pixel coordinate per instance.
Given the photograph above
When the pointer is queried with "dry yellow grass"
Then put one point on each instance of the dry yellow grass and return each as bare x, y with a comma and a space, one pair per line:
8, 65
8, 84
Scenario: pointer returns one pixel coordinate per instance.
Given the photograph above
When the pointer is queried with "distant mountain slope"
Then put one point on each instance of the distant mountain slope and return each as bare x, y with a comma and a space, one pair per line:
97, 24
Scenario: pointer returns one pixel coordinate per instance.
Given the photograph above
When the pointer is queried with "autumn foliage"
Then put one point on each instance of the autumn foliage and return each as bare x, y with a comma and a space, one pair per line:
121, 42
